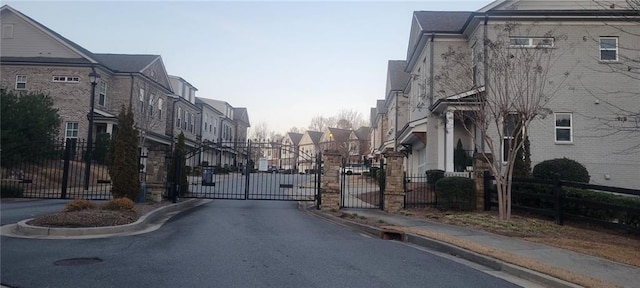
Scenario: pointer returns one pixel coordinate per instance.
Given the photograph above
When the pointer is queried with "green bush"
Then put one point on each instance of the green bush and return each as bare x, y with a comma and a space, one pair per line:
434, 175
79, 205
566, 169
9, 191
457, 193
119, 204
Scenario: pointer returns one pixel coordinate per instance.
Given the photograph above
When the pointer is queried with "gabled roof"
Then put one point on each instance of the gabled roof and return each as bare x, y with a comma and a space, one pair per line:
241, 114
381, 107
70, 44
397, 78
295, 137
339, 135
126, 63
433, 22
200, 100
363, 133
315, 136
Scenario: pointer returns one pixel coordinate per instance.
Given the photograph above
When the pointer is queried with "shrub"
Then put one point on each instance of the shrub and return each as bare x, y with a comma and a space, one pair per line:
434, 175
119, 204
79, 205
457, 193
567, 169
9, 191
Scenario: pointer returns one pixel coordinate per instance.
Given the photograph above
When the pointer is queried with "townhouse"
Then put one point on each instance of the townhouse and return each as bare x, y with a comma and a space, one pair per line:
34, 58
589, 50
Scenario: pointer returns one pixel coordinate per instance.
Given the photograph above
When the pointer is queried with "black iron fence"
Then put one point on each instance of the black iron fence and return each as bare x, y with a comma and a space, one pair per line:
418, 192
610, 207
55, 170
362, 186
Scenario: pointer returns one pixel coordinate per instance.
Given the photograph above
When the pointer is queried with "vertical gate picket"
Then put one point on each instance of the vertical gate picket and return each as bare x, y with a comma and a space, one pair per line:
65, 168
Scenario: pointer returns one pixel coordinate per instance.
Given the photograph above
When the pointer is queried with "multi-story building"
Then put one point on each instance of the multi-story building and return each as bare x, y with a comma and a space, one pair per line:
291, 150
309, 147
588, 54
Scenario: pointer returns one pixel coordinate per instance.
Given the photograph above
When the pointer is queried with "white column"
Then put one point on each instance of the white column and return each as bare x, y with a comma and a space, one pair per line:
110, 129
448, 145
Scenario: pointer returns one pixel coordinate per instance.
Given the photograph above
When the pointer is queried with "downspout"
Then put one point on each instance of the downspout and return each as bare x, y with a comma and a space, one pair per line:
395, 129
431, 68
485, 49
131, 92
173, 124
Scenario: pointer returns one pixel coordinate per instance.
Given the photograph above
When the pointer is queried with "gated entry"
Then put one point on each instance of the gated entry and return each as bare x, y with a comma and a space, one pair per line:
362, 186
249, 171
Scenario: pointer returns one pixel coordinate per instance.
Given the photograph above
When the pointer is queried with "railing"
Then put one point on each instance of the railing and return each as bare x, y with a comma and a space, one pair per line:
418, 192
610, 207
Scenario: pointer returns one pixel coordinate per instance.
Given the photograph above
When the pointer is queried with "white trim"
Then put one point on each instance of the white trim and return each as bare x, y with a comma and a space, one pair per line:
556, 127
600, 49
21, 82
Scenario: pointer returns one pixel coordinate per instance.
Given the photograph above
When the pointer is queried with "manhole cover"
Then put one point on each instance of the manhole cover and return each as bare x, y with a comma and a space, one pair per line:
78, 261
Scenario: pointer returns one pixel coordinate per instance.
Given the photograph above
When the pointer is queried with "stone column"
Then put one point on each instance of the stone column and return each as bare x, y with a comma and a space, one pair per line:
480, 165
330, 189
394, 190
156, 173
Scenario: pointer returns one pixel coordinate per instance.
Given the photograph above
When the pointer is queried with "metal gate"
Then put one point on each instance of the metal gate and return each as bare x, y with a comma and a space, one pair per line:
362, 186
246, 171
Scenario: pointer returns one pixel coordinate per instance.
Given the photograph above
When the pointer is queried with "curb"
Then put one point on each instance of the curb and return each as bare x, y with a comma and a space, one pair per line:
446, 248
23, 229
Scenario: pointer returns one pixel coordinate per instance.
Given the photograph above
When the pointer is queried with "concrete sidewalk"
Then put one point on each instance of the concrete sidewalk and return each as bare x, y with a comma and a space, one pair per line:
412, 230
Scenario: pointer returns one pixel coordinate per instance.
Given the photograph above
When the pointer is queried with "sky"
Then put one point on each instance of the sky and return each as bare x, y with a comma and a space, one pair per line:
285, 61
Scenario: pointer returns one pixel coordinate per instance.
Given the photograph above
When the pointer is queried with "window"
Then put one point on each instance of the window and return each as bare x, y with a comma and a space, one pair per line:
160, 108
71, 130
206, 118
531, 42
563, 127
508, 129
184, 117
608, 48
192, 123
71, 79
7, 31
179, 120
21, 82
102, 94
151, 106
141, 102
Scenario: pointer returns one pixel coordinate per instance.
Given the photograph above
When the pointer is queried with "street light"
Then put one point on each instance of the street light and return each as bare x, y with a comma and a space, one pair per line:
93, 77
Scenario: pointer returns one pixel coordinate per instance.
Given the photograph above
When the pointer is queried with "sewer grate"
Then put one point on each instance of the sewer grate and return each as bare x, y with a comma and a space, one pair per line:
392, 235
77, 261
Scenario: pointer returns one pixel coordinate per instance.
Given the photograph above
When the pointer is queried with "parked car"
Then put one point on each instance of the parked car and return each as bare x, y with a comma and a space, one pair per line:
357, 169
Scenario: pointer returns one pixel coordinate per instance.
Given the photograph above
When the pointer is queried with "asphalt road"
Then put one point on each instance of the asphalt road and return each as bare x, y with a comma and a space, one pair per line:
229, 243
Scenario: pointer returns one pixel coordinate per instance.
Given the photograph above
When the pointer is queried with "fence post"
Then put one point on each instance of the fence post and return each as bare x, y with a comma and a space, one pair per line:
318, 180
177, 170
487, 191
65, 168
557, 191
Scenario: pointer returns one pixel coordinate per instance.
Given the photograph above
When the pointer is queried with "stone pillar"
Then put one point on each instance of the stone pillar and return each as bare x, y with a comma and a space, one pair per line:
156, 167
394, 190
330, 189
480, 165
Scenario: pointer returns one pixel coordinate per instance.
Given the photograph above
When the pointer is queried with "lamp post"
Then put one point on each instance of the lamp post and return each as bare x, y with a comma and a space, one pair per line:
93, 77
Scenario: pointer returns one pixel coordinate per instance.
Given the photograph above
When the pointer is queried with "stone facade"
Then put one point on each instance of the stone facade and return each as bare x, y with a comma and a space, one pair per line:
330, 189
480, 165
394, 190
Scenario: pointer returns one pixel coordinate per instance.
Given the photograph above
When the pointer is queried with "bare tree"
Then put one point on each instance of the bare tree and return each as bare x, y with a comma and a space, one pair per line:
349, 119
149, 110
319, 123
294, 129
621, 121
518, 85
260, 131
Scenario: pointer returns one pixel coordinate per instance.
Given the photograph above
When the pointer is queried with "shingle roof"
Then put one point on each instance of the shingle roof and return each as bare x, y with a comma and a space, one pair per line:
397, 78
442, 21
241, 114
315, 136
363, 133
126, 62
295, 137
340, 135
